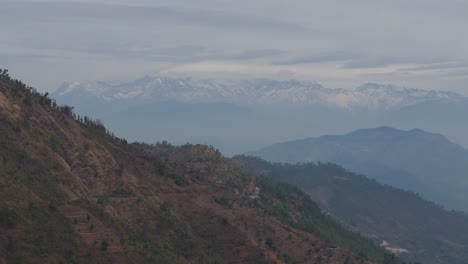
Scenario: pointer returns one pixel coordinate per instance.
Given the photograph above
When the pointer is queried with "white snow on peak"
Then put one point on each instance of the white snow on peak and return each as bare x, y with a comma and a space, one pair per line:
370, 96
67, 88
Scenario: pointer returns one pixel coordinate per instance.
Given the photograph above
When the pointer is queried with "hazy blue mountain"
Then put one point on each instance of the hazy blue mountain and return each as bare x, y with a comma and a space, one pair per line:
447, 117
414, 160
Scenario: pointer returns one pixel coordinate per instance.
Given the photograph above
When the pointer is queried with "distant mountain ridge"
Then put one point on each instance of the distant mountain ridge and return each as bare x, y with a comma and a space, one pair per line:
370, 96
258, 112
414, 160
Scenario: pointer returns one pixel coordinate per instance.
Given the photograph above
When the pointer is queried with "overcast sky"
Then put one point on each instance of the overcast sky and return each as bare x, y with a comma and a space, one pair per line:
416, 43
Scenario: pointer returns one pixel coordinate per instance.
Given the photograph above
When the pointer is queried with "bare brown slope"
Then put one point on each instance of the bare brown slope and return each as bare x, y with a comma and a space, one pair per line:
72, 193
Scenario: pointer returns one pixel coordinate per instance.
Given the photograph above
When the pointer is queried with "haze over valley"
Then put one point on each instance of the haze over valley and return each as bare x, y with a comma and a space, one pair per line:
240, 115
212, 132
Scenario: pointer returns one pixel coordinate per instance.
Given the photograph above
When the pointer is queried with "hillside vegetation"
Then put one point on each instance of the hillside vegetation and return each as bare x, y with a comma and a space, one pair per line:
71, 192
381, 212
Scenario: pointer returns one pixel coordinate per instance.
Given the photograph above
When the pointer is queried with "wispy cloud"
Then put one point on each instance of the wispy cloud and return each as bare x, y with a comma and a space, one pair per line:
383, 61
319, 58
438, 66
53, 11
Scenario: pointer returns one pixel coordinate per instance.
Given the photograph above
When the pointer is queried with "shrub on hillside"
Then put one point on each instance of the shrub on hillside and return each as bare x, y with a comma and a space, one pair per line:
9, 217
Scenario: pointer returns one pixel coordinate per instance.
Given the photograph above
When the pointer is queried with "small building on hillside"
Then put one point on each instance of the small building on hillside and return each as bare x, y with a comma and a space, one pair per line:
385, 245
252, 190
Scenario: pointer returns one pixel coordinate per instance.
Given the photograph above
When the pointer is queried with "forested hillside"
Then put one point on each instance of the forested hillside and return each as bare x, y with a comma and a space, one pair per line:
71, 192
380, 212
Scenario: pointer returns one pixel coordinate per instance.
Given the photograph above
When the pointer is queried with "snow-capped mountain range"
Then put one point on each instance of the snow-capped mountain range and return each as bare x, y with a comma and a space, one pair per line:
370, 96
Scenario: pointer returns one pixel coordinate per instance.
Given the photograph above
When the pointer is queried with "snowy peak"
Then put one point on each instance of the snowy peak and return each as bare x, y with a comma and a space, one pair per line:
95, 88
370, 96
393, 96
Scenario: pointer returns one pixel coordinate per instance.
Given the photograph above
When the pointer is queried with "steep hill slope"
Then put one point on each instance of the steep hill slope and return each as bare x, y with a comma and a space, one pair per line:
414, 160
430, 233
71, 192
